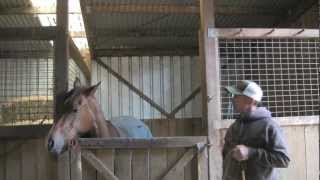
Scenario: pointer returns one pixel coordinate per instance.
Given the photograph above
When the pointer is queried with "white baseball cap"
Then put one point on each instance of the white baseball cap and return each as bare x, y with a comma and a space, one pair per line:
246, 88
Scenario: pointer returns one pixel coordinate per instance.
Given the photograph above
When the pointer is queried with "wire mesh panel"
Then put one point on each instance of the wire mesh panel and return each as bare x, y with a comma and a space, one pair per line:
286, 69
26, 90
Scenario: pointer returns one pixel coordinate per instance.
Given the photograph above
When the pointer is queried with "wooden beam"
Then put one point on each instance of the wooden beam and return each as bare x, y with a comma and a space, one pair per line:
61, 48
209, 58
89, 34
133, 88
145, 32
98, 165
178, 9
30, 33
8, 54
147, 8
79, 60
130, 143
144, 8
192, 51
180, 164
294, 13
183, 103
234, 33
60, 72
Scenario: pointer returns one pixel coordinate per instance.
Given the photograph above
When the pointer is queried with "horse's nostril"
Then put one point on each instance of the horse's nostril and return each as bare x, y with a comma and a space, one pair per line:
50, 143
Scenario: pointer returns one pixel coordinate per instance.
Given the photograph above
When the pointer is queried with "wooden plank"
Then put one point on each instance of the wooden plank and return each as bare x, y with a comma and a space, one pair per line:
133, 88
180, 164
13, 160
178, 9
235, 33
61, 57
140, 164
63, 166
89, 172
174, 154
75, 165
145, 32
30, 33
52, 164
202, 165
28, 160
144, 8
162, 142
2, 159
107, 157
98, 165
158, 156
297, 154
312, 152
147, 52
209, 57
84, 66
42, 160
123, 164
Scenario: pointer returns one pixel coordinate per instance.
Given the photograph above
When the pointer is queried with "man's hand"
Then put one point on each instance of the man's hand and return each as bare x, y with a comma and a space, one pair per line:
240, 152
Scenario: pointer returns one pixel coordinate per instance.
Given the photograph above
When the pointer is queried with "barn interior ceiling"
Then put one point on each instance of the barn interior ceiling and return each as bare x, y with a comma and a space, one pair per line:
112, 27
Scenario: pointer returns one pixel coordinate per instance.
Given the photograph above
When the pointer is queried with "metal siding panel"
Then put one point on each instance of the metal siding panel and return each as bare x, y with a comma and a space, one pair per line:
146, 86
114, 89
125, 105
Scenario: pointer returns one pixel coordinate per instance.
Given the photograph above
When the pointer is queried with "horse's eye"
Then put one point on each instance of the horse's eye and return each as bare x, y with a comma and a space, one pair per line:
75, 110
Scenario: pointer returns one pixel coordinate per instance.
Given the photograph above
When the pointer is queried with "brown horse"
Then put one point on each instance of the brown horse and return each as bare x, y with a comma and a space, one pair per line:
83, 115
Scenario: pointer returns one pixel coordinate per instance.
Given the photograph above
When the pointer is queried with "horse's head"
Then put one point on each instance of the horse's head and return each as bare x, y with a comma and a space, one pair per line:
78, 117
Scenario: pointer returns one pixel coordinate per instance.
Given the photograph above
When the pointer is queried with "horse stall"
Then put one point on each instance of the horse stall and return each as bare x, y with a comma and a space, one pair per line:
164, 62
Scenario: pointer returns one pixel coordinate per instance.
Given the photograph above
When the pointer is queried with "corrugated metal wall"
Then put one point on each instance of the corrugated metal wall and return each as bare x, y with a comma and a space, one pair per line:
166, 80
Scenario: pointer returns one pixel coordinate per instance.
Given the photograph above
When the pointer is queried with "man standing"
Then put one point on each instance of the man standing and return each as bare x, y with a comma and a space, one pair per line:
254, 143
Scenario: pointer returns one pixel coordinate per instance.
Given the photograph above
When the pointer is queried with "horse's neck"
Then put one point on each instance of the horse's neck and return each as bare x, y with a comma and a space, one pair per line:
102, 128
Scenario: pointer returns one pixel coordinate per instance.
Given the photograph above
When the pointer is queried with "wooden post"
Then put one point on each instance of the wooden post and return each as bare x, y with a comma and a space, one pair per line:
61, 77
61, 56
209, 57
75, 165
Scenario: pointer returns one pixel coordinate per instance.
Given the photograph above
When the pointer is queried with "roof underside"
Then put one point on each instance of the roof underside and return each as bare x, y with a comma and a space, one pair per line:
154, 24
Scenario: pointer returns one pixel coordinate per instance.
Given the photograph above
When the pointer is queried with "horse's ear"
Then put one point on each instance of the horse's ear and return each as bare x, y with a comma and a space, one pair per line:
92, 89
77, 83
